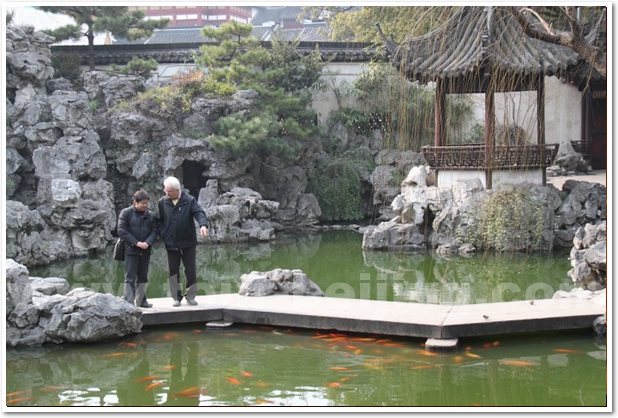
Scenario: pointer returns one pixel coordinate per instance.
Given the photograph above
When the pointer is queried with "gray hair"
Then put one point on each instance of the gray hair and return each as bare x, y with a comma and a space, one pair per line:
172, 183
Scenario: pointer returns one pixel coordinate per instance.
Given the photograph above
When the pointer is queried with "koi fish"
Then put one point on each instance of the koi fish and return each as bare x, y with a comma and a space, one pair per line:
146, 379
351, 347
458, 359
197, 331
51, 388
337, 335
386, 340
246, 374
233, 381
333, 384
424, 366
336, 339
346, 378
153, 385
495, 343
190, 392
171, 336
365, 340
471, 355
170, 367
12, 401
263, 401
126, 344
357, 352
113, 355
487, 345
427, 353
520, 363
567, 351
20, 392
319, 336
261, 384
337, 368
393, 345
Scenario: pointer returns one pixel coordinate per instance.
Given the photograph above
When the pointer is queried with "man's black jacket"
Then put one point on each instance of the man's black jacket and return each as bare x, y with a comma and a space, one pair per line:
176, 226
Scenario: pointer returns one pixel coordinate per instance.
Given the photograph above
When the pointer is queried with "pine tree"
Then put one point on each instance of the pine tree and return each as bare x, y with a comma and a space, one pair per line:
97, 19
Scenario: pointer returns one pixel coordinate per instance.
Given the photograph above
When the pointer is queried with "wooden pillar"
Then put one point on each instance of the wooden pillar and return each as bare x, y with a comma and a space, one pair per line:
490, 112
540, 120
440, 118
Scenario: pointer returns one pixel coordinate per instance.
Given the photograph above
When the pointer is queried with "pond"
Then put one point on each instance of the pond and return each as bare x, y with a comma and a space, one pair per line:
243, 365
336, 262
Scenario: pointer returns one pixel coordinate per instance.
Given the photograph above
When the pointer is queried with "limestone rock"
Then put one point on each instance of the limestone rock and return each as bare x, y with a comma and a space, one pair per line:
290, 282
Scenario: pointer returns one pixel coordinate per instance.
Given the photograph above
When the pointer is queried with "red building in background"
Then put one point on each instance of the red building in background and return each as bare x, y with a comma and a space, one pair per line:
196, 15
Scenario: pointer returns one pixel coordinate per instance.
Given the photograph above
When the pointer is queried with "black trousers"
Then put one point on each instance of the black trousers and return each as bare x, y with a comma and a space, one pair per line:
136, 277
187, 256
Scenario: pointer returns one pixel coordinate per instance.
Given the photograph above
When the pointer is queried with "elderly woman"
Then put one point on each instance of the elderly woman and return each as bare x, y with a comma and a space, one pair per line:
137, 226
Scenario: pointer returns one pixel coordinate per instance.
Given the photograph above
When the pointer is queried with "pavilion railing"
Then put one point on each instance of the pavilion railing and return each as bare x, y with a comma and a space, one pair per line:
480, 157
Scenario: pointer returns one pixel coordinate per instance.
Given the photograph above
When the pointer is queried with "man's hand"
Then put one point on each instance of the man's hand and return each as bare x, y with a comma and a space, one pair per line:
204, 231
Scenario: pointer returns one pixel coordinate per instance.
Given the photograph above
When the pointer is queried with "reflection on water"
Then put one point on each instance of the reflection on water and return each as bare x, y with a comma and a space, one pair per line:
264, 366
337, 263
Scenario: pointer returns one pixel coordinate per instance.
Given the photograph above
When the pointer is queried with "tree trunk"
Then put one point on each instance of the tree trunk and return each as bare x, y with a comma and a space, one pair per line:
90, 36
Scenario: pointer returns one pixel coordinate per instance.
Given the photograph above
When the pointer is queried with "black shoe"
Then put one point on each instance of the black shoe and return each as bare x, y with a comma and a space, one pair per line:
145, 304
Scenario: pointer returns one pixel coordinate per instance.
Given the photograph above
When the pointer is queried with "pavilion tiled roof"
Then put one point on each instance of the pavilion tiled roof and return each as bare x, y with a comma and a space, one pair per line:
477, 40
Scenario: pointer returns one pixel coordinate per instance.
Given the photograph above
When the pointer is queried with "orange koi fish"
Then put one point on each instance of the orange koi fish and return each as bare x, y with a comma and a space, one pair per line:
113, 355
427, 353
393, 345
197, 331
471, 355
424, 366
458, 359
357, 352
351, 347
333, 384
171, 336
365, 340
336, 339
127, 344
487, 345
346, 378
337, 335
190, 392
519, 363
567, 351
495, 343
233, 381
263, 401
320, 336
147, 379
51, 388
170, 367
386, 340
19, 392
153, 385
12, 401
337, 368
246, 374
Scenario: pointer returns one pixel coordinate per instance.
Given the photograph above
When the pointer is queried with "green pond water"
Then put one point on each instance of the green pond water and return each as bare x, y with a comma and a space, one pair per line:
242, 365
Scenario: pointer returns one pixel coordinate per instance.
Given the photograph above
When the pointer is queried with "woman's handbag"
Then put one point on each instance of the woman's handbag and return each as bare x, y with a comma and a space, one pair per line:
119, 250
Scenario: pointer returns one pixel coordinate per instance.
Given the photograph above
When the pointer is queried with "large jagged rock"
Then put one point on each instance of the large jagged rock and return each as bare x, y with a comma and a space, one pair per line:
290, 282
239, 215
28, 57
589, 257
429, 216
40, 310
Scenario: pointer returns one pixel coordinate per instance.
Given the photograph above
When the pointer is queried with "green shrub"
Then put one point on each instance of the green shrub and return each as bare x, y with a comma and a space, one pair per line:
512, 219
137, 66
338, 189
67, 65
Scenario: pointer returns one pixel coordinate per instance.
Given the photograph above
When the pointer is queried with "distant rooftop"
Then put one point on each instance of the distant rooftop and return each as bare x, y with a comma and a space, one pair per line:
276, 14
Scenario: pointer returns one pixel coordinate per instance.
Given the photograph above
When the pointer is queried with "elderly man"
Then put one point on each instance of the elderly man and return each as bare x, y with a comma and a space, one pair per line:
176, 212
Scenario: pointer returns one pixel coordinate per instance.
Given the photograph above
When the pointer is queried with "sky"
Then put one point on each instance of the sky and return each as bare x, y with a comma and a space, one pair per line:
27, 15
